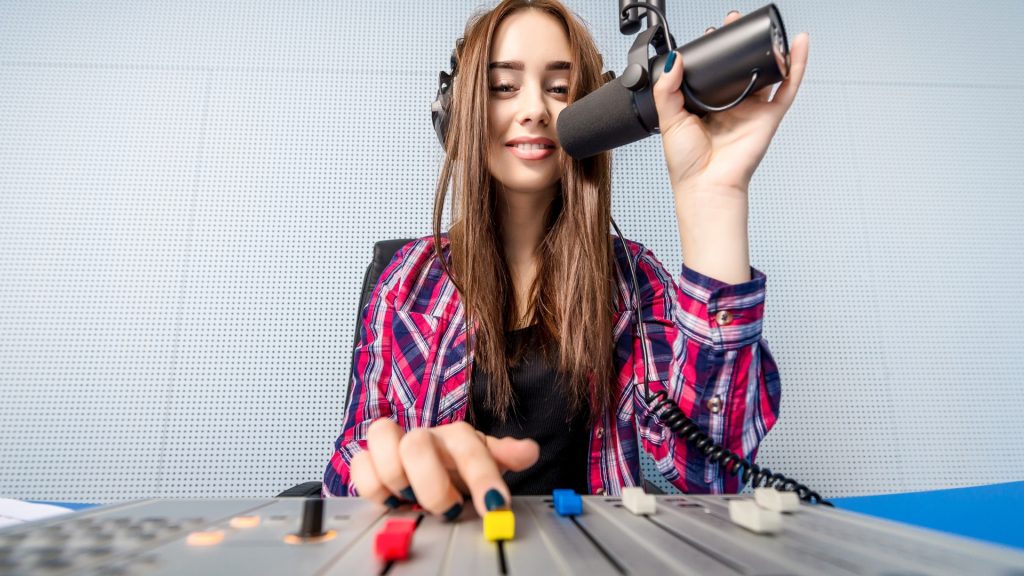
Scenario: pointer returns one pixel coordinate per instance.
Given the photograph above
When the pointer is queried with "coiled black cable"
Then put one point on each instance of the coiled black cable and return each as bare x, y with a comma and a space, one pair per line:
672, 416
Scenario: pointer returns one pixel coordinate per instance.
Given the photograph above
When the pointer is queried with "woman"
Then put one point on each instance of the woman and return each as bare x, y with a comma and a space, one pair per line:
543, 391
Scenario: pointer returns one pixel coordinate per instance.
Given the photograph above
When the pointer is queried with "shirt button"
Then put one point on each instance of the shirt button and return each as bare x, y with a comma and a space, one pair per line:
715, 404
599, 432
723, 317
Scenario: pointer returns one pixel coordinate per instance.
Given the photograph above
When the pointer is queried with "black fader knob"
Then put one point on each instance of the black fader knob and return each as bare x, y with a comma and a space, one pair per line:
312, 518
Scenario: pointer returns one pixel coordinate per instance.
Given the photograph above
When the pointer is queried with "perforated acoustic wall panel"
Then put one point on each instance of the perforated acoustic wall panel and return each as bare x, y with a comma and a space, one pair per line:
189, 193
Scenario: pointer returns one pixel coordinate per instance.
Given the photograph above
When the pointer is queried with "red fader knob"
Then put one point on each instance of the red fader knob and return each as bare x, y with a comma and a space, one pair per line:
390, 546
394, 540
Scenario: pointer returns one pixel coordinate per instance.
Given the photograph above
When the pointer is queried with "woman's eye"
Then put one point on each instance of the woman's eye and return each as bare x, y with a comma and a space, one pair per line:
510, 88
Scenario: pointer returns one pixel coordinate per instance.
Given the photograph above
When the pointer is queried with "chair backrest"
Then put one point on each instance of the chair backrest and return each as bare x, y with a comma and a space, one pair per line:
383, 252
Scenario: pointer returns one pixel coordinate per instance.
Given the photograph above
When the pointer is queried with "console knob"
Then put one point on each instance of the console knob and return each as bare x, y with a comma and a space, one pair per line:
312, 518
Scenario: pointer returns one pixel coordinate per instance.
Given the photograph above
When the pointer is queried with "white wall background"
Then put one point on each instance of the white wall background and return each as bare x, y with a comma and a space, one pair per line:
189, 192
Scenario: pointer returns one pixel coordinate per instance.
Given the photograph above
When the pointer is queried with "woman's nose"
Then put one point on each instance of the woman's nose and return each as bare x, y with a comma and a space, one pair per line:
534, 107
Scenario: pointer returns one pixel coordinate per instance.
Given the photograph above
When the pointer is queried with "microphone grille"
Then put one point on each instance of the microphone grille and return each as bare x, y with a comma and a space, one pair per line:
604, 119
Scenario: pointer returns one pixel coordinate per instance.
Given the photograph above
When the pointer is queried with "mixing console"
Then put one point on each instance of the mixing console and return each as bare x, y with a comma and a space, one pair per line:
592, 535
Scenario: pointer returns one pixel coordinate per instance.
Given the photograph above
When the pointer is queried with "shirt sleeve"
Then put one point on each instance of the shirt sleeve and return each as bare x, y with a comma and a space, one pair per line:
708, 355
371, 372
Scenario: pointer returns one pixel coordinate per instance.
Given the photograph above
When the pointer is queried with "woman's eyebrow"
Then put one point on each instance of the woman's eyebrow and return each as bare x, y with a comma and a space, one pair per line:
517, 65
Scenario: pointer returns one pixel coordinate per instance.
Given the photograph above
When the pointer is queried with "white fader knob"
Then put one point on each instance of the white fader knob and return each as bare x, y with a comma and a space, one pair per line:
638, 502
748, 514
776, 500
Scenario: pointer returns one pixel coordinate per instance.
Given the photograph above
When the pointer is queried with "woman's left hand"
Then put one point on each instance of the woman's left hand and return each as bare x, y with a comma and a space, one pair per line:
720, 153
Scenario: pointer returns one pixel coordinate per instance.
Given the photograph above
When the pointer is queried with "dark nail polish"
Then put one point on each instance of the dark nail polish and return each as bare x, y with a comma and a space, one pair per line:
453, 512
493, 500
408, 494
392, 502
670, 61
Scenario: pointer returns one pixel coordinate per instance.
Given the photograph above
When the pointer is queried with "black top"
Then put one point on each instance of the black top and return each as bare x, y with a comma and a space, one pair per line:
541, 412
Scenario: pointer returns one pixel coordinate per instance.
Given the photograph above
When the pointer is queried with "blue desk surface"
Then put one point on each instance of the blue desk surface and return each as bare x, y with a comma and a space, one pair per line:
991, 513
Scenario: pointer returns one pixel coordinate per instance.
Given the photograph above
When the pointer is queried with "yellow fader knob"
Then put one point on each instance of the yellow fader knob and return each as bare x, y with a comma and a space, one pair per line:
499, 525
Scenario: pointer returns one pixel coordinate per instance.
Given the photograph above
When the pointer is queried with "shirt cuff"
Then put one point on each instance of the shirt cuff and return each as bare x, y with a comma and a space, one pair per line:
724, 316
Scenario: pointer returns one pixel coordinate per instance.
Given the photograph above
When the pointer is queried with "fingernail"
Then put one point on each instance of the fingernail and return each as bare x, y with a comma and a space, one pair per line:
709, 29
493, 500
670, 61
392, 502
408, 494
453, 512
731, 12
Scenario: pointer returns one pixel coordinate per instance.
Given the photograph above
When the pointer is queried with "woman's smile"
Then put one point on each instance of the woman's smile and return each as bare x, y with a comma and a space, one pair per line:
530, 151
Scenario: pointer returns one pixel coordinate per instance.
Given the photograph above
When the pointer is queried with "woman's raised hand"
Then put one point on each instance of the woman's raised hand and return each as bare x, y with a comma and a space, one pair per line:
721, 152
435, 467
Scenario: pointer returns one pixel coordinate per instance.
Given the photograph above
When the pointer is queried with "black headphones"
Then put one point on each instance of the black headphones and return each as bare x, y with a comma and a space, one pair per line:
441, 106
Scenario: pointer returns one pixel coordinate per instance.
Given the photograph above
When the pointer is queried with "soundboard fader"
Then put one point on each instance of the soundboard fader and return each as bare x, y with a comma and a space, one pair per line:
698, 535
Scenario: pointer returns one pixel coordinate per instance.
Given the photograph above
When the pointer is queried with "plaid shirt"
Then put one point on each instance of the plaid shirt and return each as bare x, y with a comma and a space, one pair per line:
705, 346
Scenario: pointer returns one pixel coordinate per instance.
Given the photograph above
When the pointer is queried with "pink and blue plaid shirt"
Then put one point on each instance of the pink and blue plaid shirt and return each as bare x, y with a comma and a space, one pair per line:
706, 349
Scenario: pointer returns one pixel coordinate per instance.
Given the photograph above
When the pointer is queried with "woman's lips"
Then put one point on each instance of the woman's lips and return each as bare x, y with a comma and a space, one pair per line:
531, 154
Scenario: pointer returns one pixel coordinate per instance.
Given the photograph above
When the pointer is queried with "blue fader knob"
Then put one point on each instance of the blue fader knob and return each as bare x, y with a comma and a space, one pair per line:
567, 502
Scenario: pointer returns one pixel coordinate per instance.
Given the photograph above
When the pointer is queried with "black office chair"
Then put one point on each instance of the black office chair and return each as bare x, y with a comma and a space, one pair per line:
383, 252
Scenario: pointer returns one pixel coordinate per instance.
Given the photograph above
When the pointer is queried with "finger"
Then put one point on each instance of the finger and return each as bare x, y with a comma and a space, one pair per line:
668, 98
382, 438
710, 29
476, 466
786, 93
428, 475
365, 478
512, 454
509, 454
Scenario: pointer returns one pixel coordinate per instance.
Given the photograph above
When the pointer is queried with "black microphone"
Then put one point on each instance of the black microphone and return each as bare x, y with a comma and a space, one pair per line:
722, 68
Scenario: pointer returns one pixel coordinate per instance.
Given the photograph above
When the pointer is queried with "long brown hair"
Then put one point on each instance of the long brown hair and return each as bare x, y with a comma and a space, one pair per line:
571, 299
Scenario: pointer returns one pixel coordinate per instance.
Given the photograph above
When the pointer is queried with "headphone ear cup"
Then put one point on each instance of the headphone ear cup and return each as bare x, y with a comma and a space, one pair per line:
441, 105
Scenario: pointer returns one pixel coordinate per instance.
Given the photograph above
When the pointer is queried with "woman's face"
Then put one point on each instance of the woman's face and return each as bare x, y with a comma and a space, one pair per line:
528, 82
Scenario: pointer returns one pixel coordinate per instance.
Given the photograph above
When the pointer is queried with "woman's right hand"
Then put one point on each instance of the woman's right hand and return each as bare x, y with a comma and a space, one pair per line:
434, 467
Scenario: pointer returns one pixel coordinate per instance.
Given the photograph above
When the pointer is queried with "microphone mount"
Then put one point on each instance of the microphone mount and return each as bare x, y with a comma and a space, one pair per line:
629, 15
637, 76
